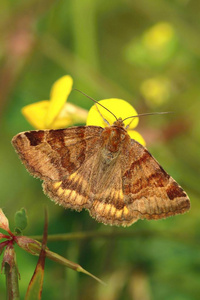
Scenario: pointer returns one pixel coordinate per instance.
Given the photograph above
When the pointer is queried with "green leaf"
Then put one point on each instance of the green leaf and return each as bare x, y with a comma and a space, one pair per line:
35, 286
21, 219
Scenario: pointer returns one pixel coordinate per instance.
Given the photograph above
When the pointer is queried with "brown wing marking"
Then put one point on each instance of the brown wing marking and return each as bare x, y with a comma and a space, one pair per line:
74, 191
55, 154
110, 209
70, 193
149, 191
107, 198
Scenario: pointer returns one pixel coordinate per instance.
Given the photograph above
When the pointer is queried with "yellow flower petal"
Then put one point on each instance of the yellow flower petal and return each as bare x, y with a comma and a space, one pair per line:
70, 114
136, 136
119, 107
58, 96
35, 113
62, 123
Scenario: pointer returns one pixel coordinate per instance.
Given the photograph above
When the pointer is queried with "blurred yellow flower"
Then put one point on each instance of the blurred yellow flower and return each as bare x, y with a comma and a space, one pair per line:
156, 91
155, 47
55, 113
158, 36
120, 108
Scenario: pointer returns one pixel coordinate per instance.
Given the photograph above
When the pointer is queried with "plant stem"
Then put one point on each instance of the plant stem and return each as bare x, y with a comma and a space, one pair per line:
186, 238
12, 284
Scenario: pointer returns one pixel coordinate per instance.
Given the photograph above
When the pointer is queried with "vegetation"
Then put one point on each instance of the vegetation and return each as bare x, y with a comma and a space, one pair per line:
147, 53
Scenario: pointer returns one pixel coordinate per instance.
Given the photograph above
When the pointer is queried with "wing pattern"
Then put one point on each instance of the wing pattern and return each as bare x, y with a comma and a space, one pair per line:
102, 170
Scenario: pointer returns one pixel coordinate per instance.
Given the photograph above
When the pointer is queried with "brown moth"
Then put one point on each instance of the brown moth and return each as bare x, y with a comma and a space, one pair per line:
103, 171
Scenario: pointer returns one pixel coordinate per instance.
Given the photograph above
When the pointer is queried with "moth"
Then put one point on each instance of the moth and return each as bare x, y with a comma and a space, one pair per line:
102, 170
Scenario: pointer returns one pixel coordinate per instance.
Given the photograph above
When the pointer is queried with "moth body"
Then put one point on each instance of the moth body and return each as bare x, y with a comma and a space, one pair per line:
114, 138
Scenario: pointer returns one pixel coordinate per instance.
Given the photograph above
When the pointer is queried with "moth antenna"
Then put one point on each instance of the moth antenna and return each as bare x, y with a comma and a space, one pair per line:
150, 114
98, 104
106, 121
147, 114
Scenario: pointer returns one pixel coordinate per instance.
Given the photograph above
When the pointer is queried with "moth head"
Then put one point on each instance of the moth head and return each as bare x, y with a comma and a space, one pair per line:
119, 123
116, 112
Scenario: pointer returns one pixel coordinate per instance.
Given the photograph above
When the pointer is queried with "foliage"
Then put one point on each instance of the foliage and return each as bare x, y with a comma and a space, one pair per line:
148, 54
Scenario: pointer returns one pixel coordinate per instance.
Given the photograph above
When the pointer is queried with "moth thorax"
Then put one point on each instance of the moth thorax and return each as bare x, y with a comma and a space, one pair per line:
113, 138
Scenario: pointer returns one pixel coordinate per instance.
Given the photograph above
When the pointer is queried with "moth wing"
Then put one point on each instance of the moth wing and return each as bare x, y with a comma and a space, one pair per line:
55, 156
138, 188
149, 191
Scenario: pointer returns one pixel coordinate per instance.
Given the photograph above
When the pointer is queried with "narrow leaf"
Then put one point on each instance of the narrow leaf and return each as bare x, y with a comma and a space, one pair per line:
58, 258
33, 248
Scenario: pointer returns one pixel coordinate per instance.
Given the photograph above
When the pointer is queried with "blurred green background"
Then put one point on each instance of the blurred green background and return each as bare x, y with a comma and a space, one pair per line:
148, 53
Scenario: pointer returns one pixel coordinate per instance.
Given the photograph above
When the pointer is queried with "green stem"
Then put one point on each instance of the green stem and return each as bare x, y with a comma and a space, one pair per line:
12, 284
188, 239
84, 29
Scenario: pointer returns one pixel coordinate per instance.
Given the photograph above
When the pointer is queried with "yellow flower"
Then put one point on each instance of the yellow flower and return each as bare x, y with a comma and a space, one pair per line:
155, 47
55, 113
156, 90
158, 36
120, 108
